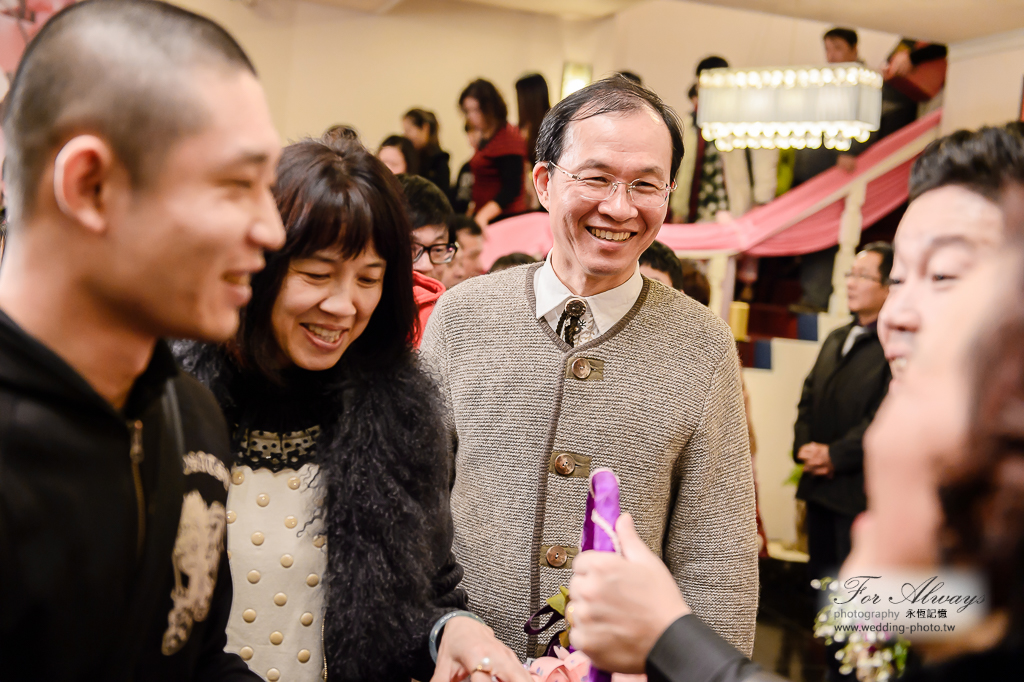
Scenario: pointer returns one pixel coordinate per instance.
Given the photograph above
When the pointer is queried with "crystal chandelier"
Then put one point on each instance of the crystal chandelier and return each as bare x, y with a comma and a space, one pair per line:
791, 107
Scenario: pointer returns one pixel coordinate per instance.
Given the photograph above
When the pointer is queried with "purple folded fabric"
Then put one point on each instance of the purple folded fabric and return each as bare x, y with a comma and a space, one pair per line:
599, 527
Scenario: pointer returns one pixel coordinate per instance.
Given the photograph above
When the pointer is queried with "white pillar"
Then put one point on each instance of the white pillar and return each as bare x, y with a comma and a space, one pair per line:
851, 225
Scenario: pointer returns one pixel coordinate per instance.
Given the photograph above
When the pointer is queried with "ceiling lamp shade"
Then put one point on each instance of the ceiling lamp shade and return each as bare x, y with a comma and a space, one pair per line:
791, 107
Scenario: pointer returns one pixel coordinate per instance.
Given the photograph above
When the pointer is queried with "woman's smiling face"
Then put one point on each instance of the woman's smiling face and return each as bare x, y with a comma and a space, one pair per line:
324, 305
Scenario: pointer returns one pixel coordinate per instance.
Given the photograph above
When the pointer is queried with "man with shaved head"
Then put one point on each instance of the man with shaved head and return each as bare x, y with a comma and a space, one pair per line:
140, 155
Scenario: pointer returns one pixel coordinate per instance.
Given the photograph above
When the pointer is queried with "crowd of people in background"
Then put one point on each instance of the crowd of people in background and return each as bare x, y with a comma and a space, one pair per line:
711, 185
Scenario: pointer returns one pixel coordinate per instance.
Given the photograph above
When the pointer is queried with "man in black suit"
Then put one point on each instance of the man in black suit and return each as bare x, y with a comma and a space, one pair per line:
839, 400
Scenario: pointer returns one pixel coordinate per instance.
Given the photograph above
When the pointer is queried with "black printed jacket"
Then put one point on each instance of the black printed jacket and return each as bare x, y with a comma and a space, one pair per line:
112, 528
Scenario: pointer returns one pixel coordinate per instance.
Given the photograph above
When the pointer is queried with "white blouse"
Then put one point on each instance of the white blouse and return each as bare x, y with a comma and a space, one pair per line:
277, 567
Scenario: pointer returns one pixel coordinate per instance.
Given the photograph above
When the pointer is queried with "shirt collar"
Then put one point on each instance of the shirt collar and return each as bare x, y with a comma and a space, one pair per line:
608, 307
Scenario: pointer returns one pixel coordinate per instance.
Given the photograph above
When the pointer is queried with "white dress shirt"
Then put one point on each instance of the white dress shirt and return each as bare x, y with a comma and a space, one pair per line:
604, 310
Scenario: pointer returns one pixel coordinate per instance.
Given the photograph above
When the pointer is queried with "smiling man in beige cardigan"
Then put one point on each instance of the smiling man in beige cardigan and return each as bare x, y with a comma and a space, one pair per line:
551, 370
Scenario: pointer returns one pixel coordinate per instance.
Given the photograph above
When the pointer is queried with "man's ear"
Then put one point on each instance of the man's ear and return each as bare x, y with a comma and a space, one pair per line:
83, 169
541, 178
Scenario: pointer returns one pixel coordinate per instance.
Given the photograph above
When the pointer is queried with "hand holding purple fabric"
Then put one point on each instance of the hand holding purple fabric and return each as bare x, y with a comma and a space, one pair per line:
623, 604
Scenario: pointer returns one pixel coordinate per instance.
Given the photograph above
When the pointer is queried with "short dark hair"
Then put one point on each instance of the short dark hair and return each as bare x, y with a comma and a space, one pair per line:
695, 283
712, 62
632, 76
335, 196
340, 131
404, 145
885, 250
425, 203
662, 258
692, 92
511, 260
848, 35
607, 96
116, 69
458, 222
492, 104
982, 161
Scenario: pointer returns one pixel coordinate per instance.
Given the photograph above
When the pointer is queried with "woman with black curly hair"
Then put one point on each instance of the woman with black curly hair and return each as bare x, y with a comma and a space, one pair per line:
339, 526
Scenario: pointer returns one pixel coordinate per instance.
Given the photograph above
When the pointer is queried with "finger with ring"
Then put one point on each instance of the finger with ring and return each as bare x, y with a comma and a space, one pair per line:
484, 666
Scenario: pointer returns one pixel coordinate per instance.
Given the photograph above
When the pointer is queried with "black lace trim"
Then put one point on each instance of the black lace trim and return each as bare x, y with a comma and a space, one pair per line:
276, 451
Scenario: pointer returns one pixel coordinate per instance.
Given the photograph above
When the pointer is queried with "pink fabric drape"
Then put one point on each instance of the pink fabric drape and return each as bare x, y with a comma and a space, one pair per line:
768, 230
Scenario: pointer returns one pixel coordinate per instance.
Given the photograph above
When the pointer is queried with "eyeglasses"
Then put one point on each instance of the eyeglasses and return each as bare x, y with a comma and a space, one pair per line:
439, 254
599, 187
866, 278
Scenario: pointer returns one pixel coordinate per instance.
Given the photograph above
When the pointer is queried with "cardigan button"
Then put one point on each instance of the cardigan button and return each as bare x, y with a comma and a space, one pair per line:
580, 368
557, 556
565, 464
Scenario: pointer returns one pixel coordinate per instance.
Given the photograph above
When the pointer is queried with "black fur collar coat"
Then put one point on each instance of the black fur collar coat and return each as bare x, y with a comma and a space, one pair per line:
384, 464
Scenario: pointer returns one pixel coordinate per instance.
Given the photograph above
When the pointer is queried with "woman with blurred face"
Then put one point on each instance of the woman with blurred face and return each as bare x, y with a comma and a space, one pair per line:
339, 525
421, 129
498, 172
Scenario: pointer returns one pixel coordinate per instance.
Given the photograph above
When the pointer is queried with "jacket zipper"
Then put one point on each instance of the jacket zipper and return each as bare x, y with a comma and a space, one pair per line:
323, 649
136, 455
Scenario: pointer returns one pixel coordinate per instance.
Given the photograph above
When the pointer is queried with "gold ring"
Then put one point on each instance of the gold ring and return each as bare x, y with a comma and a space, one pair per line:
484, 666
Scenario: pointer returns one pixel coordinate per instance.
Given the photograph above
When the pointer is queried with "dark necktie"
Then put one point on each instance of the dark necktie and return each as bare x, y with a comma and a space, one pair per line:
571, 320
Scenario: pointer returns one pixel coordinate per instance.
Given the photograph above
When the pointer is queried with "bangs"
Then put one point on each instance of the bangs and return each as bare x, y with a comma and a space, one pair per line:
327, 217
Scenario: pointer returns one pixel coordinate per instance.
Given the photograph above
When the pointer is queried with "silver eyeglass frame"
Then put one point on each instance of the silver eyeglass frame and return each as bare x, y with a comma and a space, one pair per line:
667, 189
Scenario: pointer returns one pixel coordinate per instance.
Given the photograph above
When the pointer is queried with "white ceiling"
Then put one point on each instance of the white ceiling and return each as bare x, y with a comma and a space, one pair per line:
946, 21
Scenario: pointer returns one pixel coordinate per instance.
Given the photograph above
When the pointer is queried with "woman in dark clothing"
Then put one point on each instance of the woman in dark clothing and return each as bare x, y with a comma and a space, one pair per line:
498, 188
341, 532
421, 129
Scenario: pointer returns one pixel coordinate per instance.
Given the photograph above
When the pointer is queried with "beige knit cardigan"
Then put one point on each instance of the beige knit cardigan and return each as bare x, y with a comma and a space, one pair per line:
661, 405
